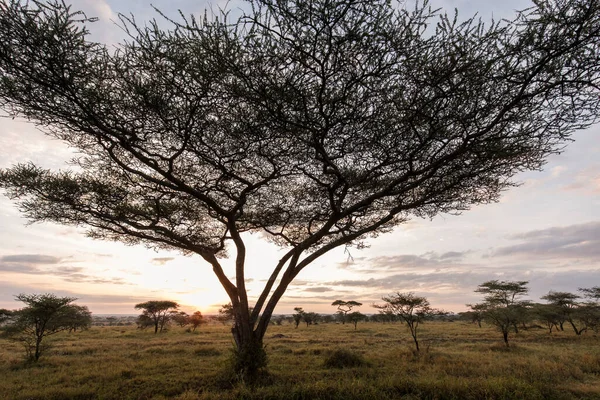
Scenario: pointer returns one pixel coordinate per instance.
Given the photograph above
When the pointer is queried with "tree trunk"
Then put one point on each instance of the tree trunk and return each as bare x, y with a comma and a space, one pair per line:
505, 335
250, 358
577, 331
38, 348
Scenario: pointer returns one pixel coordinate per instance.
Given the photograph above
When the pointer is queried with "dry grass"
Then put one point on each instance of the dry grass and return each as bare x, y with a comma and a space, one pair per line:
458, 361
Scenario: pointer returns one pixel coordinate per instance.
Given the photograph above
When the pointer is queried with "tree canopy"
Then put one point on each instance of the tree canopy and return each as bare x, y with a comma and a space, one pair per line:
156, 313
44, 315
316, 123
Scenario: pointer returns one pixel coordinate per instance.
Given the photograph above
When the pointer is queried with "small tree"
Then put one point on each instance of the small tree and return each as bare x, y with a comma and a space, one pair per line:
344, 307
157, 312
180, 318
589, 311
549, 315
475, 315
196, 319
298, 316
355, 317
44, 315
226, 314
566, 306
411, 309
310, 318
502, 305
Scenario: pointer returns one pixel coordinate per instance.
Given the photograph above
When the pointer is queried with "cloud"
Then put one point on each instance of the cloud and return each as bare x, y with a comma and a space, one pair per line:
30, 259
161, 260
405, 262
319, 289
574, 241
37, 264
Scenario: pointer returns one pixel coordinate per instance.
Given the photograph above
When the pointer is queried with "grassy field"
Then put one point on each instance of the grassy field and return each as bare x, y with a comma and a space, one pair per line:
458, 361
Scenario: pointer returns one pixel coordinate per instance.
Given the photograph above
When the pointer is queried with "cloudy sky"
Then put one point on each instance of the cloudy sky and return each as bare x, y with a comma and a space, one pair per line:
546, 231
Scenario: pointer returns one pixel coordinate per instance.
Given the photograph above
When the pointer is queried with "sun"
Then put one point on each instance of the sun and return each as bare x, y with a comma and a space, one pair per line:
205, 301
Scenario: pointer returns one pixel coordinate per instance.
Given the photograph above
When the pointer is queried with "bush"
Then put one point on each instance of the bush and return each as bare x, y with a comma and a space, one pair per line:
344, 359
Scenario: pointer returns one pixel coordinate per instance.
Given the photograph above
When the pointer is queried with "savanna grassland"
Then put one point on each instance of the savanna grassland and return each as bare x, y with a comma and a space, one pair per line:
458, 361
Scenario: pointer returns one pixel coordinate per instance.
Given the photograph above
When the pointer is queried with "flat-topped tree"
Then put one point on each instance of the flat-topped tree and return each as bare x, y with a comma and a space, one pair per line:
156, 313
316, 123
503, 305
344, 307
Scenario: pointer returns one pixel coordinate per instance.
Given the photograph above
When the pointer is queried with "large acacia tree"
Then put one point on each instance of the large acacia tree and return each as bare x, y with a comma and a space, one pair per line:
316, 123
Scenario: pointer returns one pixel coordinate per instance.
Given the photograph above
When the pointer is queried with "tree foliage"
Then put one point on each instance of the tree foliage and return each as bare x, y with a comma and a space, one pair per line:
317, 123
502, 305
344, 307
409, 308
355, 317
156, 313
44, 315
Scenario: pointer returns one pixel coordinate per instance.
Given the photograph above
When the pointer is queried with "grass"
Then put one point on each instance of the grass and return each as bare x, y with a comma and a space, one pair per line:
458, 361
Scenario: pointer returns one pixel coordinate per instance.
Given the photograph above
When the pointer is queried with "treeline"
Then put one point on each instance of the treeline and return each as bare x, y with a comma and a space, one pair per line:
504, 306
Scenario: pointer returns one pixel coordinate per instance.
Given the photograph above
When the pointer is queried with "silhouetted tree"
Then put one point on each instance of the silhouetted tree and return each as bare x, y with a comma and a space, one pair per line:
298, 316
549, 315
411, 309
180, 318
44, 315
566, 305
502, 305
156, 311
344, 307
317, 123
355, 317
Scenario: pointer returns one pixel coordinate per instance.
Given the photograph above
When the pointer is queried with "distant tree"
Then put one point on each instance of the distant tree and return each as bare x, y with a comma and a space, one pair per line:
475, 315
157, 311
502, 305
589, 311
76, 317
316, 123
344, 307
144, 321
44, 315
310, 318
298, 316
326, 318
411, 309
180, 318
548, 314
5, 315
355, 317
196, 319
566, 305
226, 314
111, 320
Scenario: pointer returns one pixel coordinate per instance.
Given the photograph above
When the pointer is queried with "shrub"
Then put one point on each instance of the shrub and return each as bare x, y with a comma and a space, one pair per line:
344, 359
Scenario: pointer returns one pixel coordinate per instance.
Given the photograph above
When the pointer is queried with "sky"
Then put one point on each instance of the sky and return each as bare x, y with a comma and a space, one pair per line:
546, 231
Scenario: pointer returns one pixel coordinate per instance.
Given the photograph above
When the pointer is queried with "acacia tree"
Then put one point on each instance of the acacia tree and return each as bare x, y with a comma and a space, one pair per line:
44, 315
502, 305
355, 317
156, 313
411, 309
566, 306
298, 316
316, 123
344, 307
